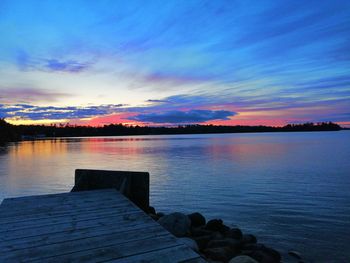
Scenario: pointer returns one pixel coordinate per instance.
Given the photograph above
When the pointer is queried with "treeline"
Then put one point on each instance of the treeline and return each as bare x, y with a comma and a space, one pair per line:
10, 132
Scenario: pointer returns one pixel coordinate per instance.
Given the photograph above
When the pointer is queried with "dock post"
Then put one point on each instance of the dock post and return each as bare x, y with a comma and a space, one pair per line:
134, 185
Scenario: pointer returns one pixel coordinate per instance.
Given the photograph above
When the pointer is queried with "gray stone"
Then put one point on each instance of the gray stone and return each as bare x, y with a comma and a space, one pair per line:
217, 235
160, 214
220, 253
202, 241
235, 233
273, 253
197, 219
227, 242
249, 239
295, 254
243, 259
253, 246
176, 223
261, 253
189, 242
214, 225
262, 256
200, 231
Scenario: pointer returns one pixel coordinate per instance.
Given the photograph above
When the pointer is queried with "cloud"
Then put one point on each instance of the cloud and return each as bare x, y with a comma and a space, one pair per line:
157, 101
182, 100
176, 117
330, 83
66, 66
176, 78
30, 112
26, 62
29, 95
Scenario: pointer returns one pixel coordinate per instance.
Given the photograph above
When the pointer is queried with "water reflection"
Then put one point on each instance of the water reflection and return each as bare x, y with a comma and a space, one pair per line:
281, 186
38, 149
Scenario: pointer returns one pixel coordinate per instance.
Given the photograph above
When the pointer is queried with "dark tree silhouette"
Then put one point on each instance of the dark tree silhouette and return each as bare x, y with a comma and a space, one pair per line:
10, 132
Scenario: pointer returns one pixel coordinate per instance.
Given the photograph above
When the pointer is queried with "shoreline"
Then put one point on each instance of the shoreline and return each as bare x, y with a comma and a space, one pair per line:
33, 138
9, 132
217, 242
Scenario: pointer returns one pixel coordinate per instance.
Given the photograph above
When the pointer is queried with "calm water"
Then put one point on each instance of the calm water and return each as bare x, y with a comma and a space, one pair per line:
290, 189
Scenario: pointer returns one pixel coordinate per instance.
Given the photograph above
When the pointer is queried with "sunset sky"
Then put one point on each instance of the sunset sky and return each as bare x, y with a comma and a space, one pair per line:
175, 62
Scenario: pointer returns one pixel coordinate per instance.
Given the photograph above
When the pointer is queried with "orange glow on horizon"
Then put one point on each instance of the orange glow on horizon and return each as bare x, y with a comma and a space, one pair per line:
243, 119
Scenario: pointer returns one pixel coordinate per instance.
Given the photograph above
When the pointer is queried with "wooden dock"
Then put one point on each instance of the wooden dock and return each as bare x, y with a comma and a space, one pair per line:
87, 226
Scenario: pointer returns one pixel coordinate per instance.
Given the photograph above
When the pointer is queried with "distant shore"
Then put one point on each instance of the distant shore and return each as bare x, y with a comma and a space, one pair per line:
9, 132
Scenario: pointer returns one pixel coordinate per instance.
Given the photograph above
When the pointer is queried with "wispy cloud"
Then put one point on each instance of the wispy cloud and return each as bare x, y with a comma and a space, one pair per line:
30, 112
174, 78
157, 101
273, 58
29, 95
29, 63
66, 66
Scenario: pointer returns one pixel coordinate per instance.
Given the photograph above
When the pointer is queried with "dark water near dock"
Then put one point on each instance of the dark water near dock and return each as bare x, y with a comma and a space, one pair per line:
292, 190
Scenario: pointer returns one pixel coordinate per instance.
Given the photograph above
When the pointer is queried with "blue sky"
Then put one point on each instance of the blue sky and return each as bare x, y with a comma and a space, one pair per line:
171, 62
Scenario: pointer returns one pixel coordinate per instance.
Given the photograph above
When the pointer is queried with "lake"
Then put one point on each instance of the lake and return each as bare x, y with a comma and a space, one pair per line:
292, 190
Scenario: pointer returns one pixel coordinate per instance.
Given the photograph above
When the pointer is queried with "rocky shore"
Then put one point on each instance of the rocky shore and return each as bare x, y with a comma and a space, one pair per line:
215, 241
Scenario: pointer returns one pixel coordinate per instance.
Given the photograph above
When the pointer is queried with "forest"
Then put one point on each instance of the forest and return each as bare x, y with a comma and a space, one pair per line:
9, 132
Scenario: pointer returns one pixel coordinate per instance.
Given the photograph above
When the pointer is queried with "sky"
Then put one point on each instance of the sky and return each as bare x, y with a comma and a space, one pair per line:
175, 62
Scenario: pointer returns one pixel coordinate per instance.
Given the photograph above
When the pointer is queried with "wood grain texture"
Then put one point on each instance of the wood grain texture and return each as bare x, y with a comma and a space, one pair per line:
87, 226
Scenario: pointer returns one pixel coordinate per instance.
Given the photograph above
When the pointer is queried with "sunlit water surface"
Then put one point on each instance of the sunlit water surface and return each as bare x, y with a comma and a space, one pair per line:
292, 190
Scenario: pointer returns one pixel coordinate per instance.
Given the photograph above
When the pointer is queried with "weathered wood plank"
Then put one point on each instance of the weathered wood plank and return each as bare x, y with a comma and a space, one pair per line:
64, 200
86, 244
64, 207
89, 226
53, 220
58, 237
49, 197
104, 253
74, 225
89, 201
42, 216
180, 253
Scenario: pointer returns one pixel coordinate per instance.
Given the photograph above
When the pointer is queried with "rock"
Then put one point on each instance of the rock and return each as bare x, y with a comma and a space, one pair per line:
189, 242
197, 219
176, 223
273, 253
202, 241
261, 252
224, 229
219, 253
200, 231
295, 254
217, 225
214, 225
160, 214
235, 233
262, 257
253, 246
227, 242
249, 239
216, 235
243, 259
154, 217
151, 210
